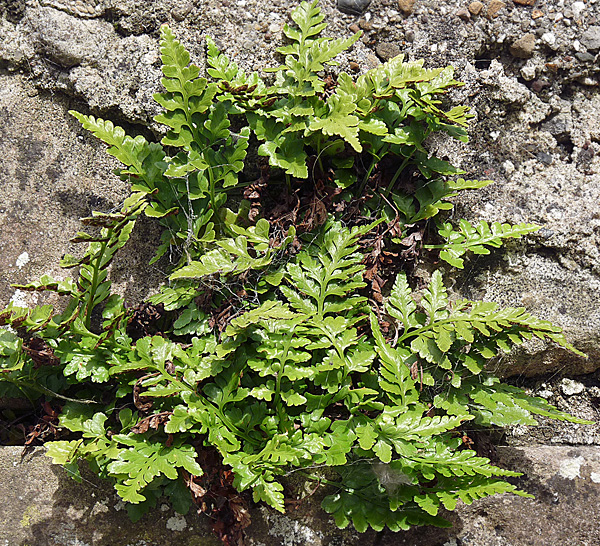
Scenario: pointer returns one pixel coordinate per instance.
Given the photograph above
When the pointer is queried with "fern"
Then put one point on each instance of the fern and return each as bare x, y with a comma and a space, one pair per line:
476, 239
308, 53
268, 351
233, 255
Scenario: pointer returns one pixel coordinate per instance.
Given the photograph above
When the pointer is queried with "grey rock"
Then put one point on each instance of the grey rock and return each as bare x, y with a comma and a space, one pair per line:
353, 7
464, 14
559, 126
387, 51
51, 508
181, 11
591, 38
528, 72
549, 38
50, 179
523, 47
65, 39
80, 8
584, 56
544, 157
571, 387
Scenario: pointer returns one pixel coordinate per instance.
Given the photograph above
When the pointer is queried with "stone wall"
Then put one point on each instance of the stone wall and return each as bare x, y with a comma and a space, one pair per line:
532, 73
46, 507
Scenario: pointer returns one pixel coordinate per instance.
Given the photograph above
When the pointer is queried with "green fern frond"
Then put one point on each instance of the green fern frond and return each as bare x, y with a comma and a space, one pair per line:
234, 82
329, 270
128, 150
186, 93
476, 238
143, 461
234, 256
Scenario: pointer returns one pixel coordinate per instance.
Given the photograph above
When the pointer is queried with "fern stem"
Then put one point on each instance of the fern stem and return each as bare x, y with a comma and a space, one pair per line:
397, 174
283, 417
374, 162
94, 284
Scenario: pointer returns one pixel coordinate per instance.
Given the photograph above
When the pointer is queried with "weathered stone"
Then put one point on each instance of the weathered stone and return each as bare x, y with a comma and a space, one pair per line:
528, 72
50, 179
67, 40
387, 51
475, 8
591, 38
79, 8
558, 126
50, 508
577, 8
549, 38
463, 14
406, 6
570, 387
525, 2
47, 507
181, 11
494, 8
523, 47
365, 25
353, 7
584, 56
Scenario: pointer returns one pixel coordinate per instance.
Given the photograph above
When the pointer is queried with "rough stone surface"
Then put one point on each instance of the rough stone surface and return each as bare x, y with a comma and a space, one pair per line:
387, 51
523, 47
47, 508
463, 14
53, 174
50, 508
579, 397
406, 6
591, 38
494, 8
475, 8
353, 7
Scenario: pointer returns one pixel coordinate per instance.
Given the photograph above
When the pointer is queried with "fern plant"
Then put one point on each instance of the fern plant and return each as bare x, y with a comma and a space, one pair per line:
387, 113
304, 371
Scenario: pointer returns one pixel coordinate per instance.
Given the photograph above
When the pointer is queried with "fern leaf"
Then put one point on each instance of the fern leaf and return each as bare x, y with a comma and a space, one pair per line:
309, 19
394, 374
144, 461
533, 404
269, 491
476, 238
339, 274
267, 311
235, 83
339, 121
186, 93
468, 491
219, 261
400, 304
435, 299
129, 151
284, 151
